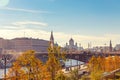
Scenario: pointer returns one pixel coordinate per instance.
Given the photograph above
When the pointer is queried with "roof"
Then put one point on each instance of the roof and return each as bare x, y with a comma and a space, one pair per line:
71, 39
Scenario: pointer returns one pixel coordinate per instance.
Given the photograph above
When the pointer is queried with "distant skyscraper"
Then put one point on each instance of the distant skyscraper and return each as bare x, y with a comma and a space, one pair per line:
110, 49
51, 39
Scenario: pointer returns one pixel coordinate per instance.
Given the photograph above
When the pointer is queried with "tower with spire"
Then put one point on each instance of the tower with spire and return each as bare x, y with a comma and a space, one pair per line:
110, 47
51, 39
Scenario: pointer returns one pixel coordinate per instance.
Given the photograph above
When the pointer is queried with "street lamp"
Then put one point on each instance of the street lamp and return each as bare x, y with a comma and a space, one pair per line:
30, 73
105, 48
71, 60
77, 58
5, 59
78, 62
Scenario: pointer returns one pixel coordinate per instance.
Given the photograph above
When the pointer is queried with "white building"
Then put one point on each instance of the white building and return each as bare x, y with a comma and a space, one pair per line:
72, 45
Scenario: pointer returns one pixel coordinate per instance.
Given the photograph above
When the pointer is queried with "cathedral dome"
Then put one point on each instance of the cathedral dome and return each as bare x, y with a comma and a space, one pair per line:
71, 40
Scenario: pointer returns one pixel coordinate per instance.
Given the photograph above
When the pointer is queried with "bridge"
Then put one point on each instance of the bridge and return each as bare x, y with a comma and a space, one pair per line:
82, 56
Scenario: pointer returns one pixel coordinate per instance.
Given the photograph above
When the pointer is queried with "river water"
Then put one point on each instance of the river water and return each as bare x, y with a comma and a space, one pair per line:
72, 62
68, 63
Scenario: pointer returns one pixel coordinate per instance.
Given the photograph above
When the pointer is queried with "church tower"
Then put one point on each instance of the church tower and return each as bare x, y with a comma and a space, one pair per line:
51, 39
110, 47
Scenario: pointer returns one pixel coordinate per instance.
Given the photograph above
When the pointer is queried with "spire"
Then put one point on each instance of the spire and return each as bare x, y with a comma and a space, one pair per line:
51, 39
110, 49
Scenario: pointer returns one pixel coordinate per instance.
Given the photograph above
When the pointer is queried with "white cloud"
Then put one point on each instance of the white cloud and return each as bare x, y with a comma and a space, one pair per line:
23, 10
22, 23
9, 28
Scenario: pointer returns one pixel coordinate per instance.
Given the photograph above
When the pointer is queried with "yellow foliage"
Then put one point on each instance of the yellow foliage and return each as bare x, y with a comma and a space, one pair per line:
53, 63
26, 67
98, 65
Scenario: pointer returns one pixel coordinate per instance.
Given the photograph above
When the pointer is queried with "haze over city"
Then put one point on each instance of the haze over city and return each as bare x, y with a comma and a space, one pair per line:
95, 21
59, 40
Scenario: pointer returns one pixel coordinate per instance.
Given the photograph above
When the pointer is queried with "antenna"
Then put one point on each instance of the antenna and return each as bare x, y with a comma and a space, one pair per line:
24, 34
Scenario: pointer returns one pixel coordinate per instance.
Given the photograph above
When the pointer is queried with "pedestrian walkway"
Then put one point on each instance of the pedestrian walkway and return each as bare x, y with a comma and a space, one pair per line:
81, 69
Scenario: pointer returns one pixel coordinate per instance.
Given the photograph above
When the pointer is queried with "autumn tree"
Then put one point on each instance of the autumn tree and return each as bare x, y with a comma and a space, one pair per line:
116, 62
29, 67
92, 63
16, 72
99, 65
103, 64
53, 63
61, 76
74, 74
95, 68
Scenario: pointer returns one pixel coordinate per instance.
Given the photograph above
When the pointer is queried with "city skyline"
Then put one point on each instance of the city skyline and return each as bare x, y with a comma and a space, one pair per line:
86, 21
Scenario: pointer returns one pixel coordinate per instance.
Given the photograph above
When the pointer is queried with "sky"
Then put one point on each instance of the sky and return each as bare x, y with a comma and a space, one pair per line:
86, 21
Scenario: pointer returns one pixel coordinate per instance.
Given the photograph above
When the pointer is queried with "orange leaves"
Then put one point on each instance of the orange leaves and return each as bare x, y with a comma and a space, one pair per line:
53, 63
112, 63
99, 65
104, 63
15, 71
28, 67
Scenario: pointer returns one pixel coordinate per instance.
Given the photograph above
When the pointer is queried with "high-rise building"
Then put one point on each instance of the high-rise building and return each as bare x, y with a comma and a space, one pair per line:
110, 47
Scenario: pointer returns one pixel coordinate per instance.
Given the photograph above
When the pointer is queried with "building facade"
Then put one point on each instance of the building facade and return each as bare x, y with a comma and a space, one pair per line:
73, 46
23, 44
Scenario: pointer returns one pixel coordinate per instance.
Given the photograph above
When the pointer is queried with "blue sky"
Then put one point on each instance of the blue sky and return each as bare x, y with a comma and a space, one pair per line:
95, 21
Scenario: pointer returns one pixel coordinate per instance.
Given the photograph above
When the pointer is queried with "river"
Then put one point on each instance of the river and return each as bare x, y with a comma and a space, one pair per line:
68, 63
